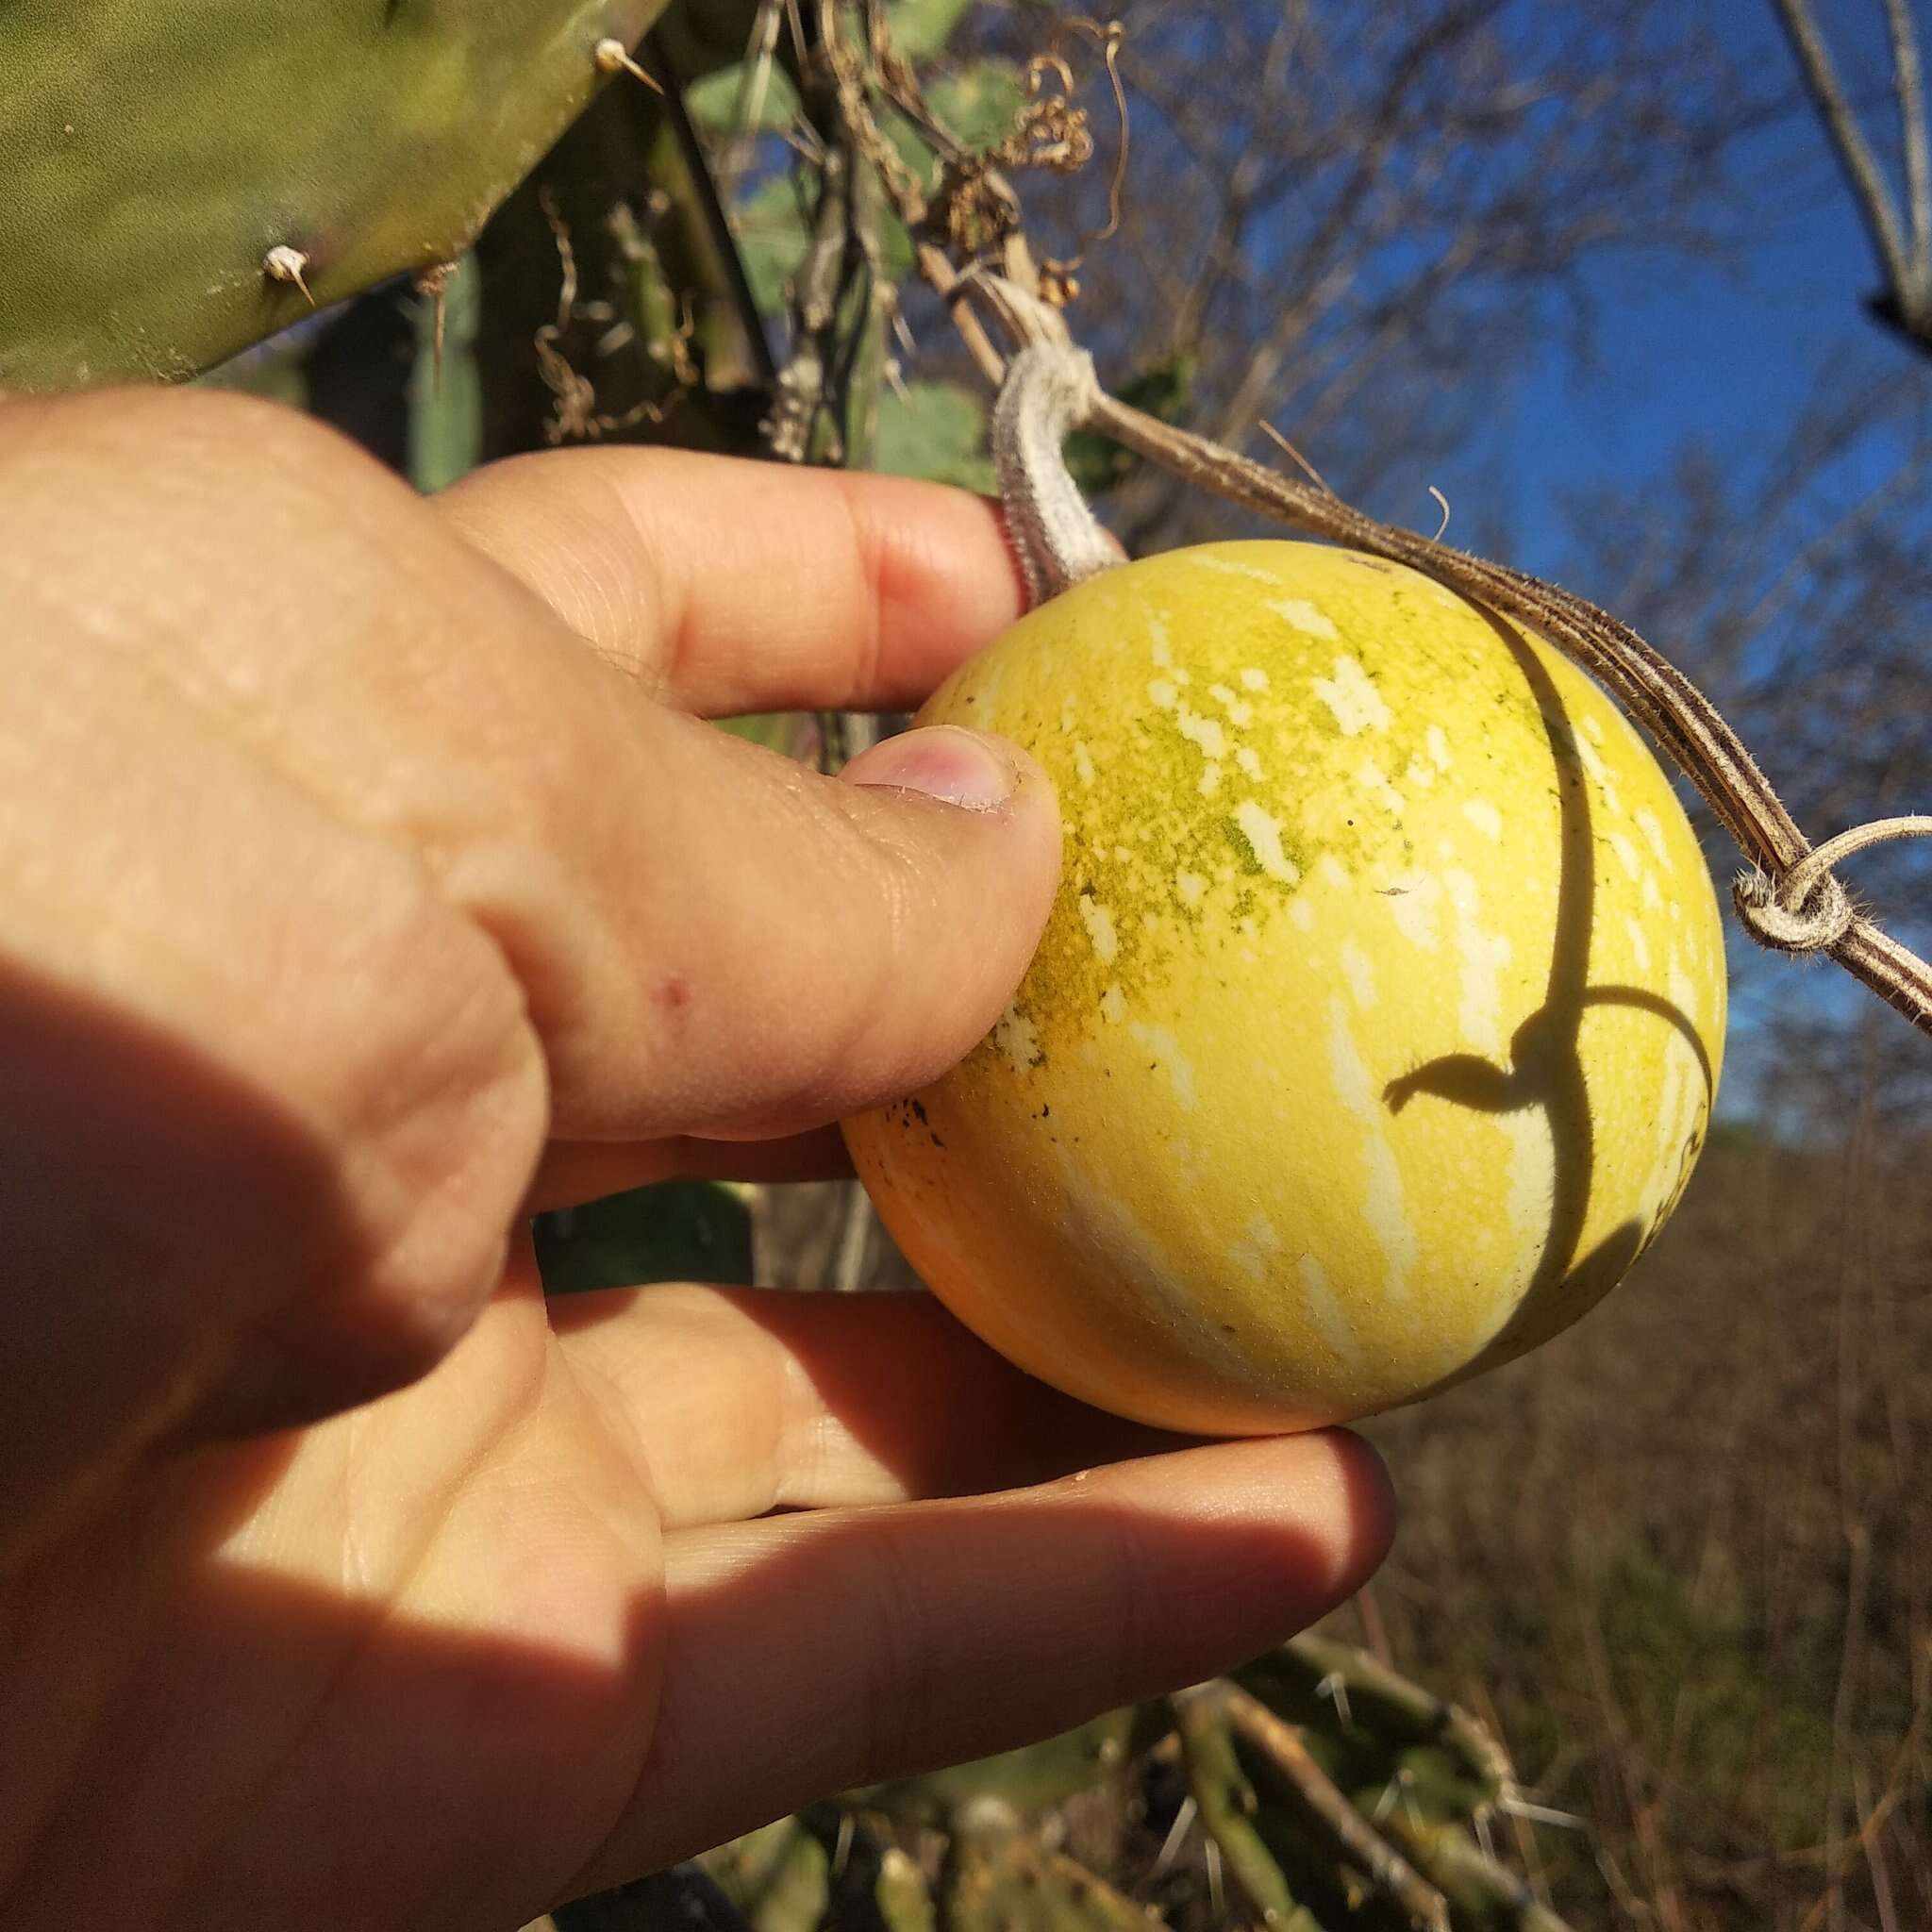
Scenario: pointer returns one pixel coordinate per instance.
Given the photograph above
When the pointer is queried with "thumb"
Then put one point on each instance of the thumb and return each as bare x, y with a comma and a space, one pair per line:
835, 943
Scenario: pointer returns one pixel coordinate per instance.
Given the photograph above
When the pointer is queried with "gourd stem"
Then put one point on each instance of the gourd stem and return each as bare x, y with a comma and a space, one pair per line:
1049, 389
1789, 901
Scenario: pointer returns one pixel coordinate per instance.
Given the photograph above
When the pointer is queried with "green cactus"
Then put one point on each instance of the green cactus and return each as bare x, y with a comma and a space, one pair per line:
187, 176
1000, 1878
778, 1878
686, 1897
1229, 1807
1484, 1895
826, 1867
675, 1231
1294, 1850
1029, 1780
1324, 1851
1341, 1794
1374, 1724
905, 1900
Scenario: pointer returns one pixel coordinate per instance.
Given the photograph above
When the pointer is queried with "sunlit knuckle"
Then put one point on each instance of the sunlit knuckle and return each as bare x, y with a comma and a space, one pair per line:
802, 1436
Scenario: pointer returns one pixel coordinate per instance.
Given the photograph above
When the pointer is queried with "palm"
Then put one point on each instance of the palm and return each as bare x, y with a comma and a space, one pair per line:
482, 1551
380, 879
479, 1552
532, 1626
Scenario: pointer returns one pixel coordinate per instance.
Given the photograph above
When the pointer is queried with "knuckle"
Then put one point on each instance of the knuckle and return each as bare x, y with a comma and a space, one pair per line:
433, 1095
871, 566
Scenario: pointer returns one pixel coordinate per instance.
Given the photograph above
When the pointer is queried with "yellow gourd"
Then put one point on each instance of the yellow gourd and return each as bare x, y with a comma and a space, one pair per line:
1377, 1025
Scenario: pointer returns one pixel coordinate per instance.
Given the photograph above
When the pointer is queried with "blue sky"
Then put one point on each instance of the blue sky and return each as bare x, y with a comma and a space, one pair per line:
1717, 355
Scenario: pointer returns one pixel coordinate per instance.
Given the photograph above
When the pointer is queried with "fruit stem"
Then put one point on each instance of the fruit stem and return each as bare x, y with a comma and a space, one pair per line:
1657, 695
1050, 388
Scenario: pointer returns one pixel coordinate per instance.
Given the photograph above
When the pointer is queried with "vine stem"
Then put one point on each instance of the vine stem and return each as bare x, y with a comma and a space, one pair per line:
1789, 899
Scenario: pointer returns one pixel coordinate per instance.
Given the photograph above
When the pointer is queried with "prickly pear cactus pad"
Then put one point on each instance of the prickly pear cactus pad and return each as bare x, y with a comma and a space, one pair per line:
182, 177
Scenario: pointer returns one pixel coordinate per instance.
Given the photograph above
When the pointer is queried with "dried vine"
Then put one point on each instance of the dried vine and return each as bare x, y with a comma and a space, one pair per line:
1788, 898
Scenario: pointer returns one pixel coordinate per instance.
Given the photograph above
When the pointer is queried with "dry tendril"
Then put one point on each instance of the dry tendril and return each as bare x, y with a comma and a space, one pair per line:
1789, 900
576, 417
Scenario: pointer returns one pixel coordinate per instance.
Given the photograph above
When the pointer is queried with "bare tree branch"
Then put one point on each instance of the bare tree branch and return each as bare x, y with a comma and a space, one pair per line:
1917, 140
1902, 272
1258, 381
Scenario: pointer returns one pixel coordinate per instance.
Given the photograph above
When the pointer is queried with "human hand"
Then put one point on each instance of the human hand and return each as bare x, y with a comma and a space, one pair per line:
364, 879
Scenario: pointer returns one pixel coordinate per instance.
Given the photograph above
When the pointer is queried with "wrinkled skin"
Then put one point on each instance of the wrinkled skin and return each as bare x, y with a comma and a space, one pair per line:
366, 881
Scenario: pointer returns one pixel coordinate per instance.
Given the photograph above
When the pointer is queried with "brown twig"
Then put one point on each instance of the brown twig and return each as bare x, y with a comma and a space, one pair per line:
576, 416
712, 195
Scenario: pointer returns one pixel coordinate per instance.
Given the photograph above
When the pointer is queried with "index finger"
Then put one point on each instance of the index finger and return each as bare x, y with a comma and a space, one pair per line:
732, 585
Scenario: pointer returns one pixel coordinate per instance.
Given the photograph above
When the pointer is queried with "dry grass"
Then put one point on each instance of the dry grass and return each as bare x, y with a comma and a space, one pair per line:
1683, 1556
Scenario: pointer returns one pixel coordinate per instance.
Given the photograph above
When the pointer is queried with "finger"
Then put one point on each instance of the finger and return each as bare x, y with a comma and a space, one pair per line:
806, 1653
727, 947
732, 586
374, 861
574, 1172
755, 1399
708, 939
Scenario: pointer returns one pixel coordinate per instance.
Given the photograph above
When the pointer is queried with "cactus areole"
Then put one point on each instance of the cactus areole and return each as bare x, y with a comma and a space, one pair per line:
1377, 1022
185, 177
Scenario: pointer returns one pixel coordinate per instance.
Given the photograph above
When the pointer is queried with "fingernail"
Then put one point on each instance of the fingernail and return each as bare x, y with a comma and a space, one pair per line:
940, 762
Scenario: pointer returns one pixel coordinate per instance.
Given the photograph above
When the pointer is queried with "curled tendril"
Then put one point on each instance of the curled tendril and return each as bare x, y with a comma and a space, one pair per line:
1809, 911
